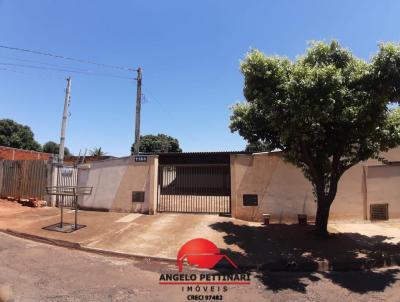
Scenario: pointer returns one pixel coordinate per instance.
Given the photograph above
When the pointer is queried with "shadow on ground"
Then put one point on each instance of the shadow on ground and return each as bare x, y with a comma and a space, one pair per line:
295, 248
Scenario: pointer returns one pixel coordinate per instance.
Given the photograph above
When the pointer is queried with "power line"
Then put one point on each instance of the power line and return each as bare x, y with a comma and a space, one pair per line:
67, 58
87, 72
29, 61
144, 99
12, 70
30, 74
41, 63
165, 108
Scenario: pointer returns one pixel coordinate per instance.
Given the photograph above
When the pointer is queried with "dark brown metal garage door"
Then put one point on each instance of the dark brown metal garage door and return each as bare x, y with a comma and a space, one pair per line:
197, 188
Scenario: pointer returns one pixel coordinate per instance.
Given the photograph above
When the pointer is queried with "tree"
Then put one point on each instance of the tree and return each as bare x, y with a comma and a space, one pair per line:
326, 111
97, 151
16, 135
53, 148
158, 143
256, 147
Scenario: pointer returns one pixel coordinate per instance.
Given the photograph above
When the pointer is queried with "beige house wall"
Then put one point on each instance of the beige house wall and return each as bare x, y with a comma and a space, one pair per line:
281, 189
114, 180
283, 192
383, 187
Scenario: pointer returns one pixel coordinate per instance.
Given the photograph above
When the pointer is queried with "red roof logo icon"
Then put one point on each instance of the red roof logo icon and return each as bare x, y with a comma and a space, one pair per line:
201, 253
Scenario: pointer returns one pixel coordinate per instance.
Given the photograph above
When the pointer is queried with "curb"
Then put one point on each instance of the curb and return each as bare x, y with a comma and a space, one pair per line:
77, 246
283, 264
57, 242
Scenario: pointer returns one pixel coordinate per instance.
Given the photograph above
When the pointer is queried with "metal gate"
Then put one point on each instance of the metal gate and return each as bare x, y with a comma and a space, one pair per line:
24, 179
194, 188
67, 176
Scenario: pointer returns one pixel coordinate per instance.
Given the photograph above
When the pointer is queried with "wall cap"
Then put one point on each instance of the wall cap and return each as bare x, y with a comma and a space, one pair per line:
84, 166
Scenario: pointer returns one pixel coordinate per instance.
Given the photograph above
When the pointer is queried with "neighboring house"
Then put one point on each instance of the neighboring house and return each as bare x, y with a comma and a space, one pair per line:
26, 173
237, 183
9, 153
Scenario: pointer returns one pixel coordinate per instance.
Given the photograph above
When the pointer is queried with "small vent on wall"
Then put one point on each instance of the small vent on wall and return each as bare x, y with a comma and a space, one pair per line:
138, 196
379, 211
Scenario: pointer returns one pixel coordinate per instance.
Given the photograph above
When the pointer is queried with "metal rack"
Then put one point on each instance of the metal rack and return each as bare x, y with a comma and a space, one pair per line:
61, 192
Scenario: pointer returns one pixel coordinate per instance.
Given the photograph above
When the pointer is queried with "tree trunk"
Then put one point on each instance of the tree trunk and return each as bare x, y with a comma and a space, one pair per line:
321, 220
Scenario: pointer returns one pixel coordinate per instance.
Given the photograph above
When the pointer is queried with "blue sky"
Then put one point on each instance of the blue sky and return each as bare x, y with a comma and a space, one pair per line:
189, 51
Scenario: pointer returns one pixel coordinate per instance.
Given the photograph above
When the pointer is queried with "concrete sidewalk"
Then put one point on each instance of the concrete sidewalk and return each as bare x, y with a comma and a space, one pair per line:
159, 235
273, 247
389, 229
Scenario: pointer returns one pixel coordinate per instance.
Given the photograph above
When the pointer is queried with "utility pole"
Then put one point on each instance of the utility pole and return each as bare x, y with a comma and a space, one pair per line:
138, 107
64, 121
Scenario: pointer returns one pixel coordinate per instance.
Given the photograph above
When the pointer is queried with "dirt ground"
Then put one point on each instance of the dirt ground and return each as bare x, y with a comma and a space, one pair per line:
31, 271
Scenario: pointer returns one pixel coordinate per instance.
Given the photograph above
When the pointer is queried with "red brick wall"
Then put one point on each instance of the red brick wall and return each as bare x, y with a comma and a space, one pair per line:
19, 154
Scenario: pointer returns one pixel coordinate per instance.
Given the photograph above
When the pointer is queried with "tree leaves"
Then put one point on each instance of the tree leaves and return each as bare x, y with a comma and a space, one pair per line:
158, 143
53, 148
16, 135
327, 110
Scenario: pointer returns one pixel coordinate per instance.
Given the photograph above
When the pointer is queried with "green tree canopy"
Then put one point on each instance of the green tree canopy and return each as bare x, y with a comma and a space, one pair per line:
326, 111
97, 151
16, 135
257, 146
53, 148
158, 143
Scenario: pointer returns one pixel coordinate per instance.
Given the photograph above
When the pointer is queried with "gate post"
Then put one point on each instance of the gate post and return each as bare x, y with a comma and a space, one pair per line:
153, 190
51, 182
1, 176
233, 199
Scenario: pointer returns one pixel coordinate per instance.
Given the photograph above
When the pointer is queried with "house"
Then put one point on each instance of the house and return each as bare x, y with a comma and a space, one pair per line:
239, 184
